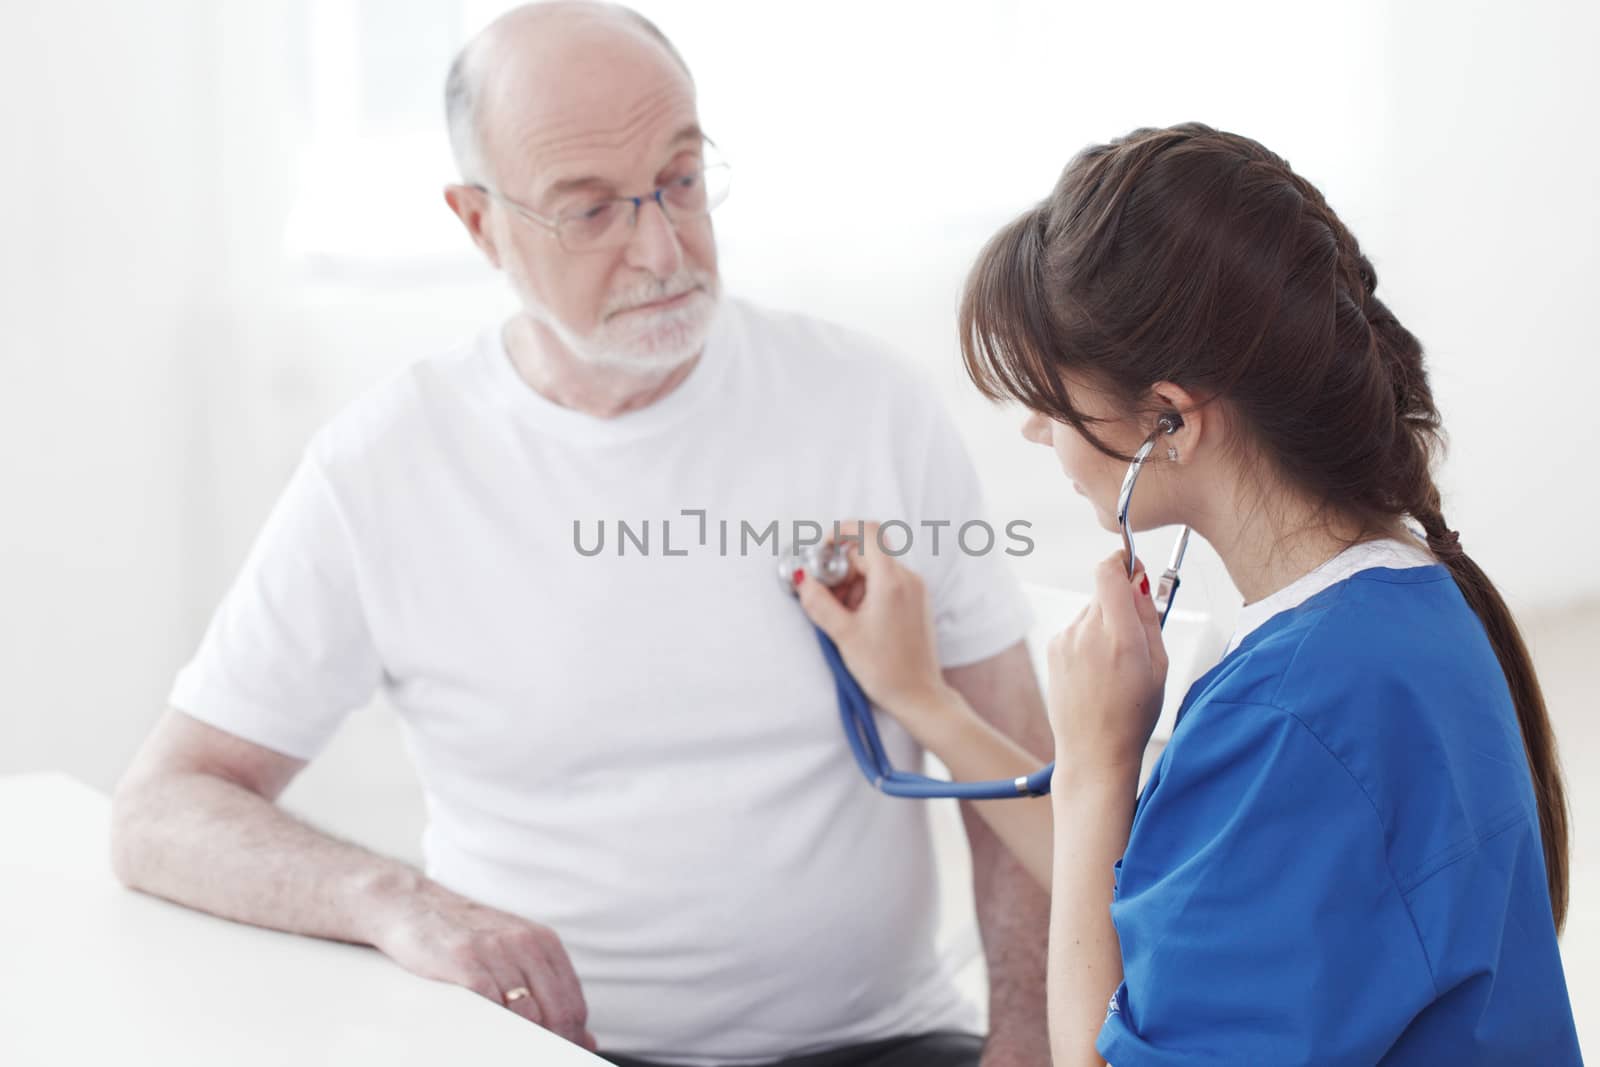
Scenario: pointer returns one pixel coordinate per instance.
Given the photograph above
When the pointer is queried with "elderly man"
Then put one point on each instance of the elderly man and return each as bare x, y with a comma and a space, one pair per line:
644, 829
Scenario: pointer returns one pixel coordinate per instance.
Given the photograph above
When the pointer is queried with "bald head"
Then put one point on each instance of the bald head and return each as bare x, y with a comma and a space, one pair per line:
530, 54
570, 116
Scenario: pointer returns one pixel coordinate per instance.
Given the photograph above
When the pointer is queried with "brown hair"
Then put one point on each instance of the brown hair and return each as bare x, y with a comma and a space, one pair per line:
1197, 257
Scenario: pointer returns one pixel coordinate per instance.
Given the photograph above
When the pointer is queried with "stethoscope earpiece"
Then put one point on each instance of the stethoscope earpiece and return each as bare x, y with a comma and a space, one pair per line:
1167, 424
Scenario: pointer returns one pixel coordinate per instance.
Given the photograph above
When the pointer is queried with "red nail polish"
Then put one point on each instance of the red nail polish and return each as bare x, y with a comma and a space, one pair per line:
799, 575
1144, 585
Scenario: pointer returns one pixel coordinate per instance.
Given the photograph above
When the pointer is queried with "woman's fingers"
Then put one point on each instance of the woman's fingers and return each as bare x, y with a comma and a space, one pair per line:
859, 540
1144, 603
1108, 671
823, 608
879, 618
1114, 592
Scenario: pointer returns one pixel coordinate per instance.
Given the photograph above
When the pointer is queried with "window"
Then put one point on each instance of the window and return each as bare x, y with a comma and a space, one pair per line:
373, 155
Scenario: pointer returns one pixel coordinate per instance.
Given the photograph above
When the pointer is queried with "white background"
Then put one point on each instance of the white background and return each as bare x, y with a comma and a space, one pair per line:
220, 220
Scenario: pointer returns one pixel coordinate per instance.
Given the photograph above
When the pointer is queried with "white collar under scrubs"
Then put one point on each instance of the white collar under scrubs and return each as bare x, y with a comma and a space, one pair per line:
1358, 557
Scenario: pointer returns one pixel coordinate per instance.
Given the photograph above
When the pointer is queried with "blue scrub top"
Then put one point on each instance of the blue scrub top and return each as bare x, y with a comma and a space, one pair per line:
1337, 859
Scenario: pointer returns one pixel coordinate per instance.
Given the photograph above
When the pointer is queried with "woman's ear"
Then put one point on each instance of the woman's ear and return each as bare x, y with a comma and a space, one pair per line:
1181, 444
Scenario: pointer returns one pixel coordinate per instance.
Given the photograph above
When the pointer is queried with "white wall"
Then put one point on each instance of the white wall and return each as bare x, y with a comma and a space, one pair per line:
1485, 238
108, 312
881, 145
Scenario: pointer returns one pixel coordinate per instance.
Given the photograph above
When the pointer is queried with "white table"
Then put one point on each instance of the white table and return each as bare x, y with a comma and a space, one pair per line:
91, 972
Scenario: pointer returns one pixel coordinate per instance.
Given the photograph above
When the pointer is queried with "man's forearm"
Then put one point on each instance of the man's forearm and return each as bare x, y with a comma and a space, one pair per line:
1013, 910
1013, 919
205, 842
209, 844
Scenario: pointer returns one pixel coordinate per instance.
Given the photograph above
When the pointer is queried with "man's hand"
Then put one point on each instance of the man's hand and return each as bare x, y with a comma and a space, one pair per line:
440, 935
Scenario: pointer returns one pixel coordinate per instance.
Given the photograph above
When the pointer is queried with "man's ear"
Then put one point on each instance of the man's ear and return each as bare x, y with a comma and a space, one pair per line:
471, 206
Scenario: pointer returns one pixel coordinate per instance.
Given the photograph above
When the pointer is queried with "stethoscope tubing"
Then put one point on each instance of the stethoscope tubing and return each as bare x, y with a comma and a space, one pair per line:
866, 745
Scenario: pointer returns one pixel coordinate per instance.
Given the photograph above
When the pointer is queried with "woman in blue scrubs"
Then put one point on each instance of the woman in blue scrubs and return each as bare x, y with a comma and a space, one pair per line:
1354, 848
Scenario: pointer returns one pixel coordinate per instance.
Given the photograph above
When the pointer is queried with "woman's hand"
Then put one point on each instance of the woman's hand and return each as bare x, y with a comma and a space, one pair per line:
1108, 671
880, 619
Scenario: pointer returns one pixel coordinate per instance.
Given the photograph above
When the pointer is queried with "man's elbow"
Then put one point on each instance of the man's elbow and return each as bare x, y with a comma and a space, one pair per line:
138, 806
130, 802
187, 772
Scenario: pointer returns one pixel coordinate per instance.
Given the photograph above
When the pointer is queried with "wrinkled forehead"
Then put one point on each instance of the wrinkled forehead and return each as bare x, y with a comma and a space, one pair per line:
598, 102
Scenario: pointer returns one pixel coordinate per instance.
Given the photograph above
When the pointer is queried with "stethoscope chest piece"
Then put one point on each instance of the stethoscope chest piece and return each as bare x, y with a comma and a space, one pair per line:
826, 563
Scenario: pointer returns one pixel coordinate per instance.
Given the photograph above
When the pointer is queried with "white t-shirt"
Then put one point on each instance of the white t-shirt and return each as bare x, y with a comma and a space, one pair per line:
1359, 557
641, 751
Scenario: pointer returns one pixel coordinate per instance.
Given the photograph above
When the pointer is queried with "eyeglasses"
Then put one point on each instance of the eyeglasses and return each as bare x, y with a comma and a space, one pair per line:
609, 223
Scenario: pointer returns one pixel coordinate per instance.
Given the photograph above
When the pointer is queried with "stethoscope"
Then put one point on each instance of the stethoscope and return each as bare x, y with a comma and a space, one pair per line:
827, 563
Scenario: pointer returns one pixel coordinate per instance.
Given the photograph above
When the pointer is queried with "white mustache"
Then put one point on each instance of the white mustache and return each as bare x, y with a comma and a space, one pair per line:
649, 294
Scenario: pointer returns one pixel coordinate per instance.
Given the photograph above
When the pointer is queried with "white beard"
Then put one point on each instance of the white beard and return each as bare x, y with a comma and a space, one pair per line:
647, 344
